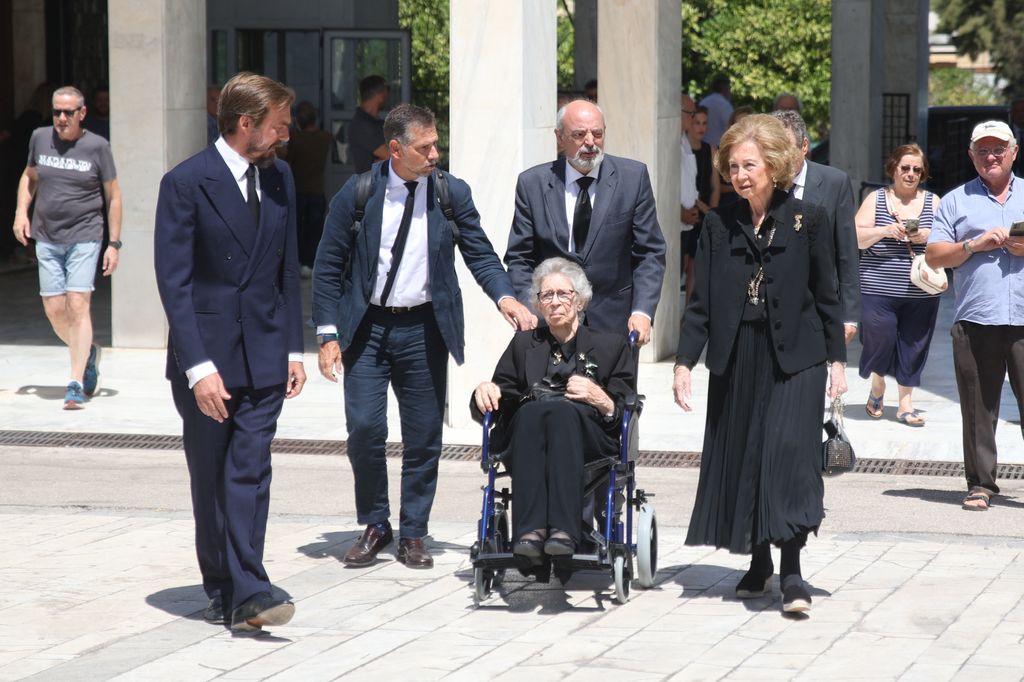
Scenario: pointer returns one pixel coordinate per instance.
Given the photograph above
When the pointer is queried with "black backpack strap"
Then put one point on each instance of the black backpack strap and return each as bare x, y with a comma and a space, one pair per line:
364, 185
444, 198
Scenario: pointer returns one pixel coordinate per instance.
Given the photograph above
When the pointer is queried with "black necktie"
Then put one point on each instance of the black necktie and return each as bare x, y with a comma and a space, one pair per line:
250, 193
581, 215
399, 245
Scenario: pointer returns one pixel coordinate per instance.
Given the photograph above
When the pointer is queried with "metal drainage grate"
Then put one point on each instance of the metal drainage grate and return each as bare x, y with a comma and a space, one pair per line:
457, 453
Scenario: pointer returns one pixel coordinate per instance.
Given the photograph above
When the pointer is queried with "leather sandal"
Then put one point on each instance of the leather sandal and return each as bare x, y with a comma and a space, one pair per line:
978, 495
874, 406
910, 418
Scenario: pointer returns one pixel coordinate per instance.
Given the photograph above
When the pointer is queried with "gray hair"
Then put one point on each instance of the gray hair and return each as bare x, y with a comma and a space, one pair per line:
561, 112
403, 118
794, 123
566, 268
70, 91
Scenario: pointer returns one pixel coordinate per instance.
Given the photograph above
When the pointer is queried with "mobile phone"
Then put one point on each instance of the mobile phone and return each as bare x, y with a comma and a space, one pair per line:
910, 225
1017, 229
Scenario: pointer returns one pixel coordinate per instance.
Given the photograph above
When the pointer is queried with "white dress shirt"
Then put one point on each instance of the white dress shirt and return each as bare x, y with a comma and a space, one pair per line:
799, 182
688, 194
572, 191
412, 283
238, 165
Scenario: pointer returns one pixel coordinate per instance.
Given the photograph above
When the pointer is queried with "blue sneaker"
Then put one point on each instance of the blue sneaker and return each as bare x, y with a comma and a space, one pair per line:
73, 397
91, 379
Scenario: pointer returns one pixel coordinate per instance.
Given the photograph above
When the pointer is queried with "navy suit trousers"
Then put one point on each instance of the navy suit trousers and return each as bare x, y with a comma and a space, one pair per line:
229, 469
405, 351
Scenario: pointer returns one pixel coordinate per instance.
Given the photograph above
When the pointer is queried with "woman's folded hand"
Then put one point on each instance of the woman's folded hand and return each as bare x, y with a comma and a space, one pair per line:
487, 396
584, 390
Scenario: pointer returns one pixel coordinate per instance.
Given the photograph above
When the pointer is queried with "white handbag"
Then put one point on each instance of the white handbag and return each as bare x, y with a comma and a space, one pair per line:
926, 278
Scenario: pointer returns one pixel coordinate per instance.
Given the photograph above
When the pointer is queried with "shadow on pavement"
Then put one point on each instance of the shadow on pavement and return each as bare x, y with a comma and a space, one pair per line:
950, 497
57, 392
334, 545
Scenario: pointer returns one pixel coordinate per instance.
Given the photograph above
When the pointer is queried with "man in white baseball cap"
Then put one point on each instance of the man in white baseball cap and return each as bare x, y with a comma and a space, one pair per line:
974, 234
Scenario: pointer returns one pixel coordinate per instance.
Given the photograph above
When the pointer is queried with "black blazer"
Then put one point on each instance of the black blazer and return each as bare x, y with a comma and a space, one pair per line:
829, 188
525, 362
805, 318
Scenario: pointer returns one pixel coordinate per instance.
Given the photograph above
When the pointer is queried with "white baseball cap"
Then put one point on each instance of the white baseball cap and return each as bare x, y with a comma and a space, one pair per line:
996, 129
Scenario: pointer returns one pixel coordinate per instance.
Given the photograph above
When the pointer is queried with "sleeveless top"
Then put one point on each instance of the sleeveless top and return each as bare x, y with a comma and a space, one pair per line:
885, 266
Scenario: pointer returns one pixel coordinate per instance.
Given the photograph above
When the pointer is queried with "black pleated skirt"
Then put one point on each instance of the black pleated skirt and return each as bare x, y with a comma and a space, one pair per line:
760, 470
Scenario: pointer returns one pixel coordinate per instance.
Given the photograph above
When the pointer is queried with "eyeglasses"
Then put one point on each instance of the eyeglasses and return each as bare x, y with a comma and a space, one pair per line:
911, 169
551, 294
998, 152
580, 135
67, 112
688, 112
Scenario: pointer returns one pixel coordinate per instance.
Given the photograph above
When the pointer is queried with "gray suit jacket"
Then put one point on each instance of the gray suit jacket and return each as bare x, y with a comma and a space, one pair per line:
830, 188
624, 255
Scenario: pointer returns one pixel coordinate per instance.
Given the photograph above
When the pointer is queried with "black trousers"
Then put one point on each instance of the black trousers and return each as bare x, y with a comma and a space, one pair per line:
551, 441
229, 470
982, 356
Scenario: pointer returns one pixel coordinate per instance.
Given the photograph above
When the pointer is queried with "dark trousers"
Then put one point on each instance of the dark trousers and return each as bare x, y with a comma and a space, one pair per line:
982, 356
229, 470
551, 441
310, 211
896, 333
405, 351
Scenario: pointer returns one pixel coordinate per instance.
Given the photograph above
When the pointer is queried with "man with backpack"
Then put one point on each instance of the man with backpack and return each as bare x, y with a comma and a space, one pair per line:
388, 310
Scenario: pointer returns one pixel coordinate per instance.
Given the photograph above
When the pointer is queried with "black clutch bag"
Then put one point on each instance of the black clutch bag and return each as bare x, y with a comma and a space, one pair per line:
836, 452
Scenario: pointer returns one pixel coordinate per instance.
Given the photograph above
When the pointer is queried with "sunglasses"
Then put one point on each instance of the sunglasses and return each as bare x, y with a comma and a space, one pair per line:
67, 112
911, 169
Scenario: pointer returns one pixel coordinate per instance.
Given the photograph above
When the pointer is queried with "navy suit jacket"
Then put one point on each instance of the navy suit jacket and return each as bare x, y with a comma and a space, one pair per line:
230, 288
624, 255
343, 302
830, 188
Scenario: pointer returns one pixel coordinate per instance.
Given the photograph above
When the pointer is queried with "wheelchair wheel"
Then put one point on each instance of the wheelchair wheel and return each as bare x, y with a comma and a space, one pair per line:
483, 583
620, 573
646, 546
486, 580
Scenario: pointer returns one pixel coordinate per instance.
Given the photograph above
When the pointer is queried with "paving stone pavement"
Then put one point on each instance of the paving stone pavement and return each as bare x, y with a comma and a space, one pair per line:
100, 580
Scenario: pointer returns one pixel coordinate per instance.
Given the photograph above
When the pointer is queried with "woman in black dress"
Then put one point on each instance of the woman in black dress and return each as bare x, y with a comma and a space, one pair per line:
770, 323
558, 393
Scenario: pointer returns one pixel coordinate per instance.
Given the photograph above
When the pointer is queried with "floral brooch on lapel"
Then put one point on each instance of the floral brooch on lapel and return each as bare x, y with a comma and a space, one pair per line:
798, 222
589, 366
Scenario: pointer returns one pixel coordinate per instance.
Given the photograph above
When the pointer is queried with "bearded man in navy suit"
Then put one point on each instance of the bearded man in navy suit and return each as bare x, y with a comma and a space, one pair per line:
227, 270
597, 210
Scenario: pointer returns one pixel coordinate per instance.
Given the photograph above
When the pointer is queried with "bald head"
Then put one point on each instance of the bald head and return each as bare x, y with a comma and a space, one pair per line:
580, 134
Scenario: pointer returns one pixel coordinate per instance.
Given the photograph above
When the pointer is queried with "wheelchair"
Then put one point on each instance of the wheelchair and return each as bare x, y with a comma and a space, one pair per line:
622, 537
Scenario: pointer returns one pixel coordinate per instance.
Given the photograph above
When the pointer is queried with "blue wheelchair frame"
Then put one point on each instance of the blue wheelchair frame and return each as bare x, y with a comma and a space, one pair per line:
615, 547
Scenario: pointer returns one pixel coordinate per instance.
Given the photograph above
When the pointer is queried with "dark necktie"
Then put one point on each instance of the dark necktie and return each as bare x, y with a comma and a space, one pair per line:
250, 193
581, 215
399, 245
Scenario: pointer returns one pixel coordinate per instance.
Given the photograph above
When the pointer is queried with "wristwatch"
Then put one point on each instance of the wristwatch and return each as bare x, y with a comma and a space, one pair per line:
968, 249
326, 338
116, 243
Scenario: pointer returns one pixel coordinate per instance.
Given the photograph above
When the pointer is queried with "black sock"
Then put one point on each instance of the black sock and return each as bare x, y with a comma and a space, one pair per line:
791, 556
761, 559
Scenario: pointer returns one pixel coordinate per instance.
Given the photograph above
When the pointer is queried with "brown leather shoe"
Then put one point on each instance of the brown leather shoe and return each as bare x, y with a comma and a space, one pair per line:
367, 546
413, 553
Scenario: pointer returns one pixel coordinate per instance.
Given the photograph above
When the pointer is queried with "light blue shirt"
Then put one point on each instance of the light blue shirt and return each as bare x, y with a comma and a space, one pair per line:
990, 284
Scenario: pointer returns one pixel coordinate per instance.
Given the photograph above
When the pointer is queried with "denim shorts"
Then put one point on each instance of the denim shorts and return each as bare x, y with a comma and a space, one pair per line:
67, 267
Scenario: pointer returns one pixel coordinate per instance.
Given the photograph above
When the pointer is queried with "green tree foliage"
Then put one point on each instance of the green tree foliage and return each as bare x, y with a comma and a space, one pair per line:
427, 23
959, 87
765, 48
995, 26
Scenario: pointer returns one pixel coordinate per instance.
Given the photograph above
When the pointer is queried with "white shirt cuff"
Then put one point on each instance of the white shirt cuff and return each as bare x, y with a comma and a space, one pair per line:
200, 372
295, 357
640, 312
327, 329
852, 324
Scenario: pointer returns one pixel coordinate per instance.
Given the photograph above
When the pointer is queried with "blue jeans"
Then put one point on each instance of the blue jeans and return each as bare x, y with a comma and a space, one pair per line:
405, 351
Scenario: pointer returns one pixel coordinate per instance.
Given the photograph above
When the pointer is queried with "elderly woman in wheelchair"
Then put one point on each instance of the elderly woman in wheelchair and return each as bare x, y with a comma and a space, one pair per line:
558, 393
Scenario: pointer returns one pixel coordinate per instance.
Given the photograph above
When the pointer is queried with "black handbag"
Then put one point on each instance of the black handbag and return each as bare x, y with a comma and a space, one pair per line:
836, 452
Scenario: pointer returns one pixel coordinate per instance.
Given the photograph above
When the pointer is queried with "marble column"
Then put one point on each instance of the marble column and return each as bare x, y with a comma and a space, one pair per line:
157, 93
639, 76
858, 39
502, 122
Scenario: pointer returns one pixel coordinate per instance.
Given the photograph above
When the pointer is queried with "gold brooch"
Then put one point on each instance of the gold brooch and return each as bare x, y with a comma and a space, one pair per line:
797, 222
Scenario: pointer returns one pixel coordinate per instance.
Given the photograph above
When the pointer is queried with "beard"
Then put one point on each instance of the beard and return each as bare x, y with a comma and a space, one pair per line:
584, 165
261, 155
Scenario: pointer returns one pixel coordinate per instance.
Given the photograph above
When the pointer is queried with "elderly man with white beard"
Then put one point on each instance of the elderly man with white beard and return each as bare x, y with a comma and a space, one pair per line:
597, 210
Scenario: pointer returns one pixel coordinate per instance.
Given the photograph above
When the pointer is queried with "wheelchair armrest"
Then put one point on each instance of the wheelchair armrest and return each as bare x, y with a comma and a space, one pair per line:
634, 402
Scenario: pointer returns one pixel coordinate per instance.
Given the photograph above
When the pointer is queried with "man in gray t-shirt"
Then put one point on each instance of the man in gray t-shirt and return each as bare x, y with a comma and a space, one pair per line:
70, 175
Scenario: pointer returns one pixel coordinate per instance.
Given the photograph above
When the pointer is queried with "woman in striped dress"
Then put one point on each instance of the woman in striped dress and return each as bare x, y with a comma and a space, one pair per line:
897, 318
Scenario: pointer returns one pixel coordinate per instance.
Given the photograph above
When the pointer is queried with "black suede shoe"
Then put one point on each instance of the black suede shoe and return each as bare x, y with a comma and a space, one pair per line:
754, 584
559, 545
796, 598
214, 612
259, 610
529, 548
